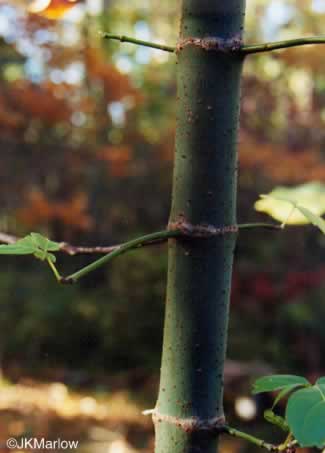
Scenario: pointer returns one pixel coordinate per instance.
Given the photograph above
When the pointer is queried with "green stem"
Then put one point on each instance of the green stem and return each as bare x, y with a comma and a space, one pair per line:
277, 45
285, 444
135, 243
153, 238
54, 269
268, 226
253, 440
139, 42
244, 50
204, 193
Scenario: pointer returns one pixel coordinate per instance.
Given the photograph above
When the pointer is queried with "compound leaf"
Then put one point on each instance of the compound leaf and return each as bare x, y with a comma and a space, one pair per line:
295, 205
284, 392
312, 218
33, 244
278, 382
305, 415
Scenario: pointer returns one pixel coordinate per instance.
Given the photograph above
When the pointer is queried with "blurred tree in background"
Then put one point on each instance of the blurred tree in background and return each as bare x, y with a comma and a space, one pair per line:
87, 131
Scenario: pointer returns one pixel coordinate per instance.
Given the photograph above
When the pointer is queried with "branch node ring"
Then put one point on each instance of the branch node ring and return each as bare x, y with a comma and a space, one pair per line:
200, 230
213, 43
190, 424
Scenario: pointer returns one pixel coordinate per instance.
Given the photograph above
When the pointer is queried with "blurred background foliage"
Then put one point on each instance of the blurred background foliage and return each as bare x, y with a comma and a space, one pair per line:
86, 135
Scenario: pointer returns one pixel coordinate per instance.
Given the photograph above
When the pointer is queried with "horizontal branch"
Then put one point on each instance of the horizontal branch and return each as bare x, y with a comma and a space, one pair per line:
139, 42
277, 45
267, 226
120, 250
112, 252
243, 50
286, 447
248, 437
150, 239
73, 250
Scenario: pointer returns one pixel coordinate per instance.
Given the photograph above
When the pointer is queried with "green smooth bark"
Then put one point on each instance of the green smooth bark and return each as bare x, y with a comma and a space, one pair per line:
204, 192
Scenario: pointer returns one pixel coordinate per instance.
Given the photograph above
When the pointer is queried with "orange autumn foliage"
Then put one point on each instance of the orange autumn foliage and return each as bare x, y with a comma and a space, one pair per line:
281, 164
10, 120
118, 159
54, 10
307, 58
116, 85
40, 210
39, 101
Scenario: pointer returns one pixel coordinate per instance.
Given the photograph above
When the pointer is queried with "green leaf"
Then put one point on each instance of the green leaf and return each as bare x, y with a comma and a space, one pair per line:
22, 247
51, 257
313, 219
276, 420
44, 243
33, 244
277, 382
282, 201
42, 255
320, 380
305, 415
284, 392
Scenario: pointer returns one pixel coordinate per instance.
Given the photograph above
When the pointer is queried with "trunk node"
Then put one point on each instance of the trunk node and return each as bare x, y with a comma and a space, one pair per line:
200, 231
229, 45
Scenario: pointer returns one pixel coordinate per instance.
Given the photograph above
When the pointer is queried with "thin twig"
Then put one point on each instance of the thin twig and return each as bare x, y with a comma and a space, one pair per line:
112, 252
98, 250
135, 243
253, 440
7, 238
243, 50
268, 226
54, 269
140, 242
139, 42
73, 250
277, 45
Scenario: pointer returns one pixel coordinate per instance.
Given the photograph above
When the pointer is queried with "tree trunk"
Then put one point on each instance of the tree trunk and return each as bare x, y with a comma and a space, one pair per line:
204, 205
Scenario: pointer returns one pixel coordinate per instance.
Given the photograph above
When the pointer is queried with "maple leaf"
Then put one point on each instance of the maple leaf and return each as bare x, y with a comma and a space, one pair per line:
52, 9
